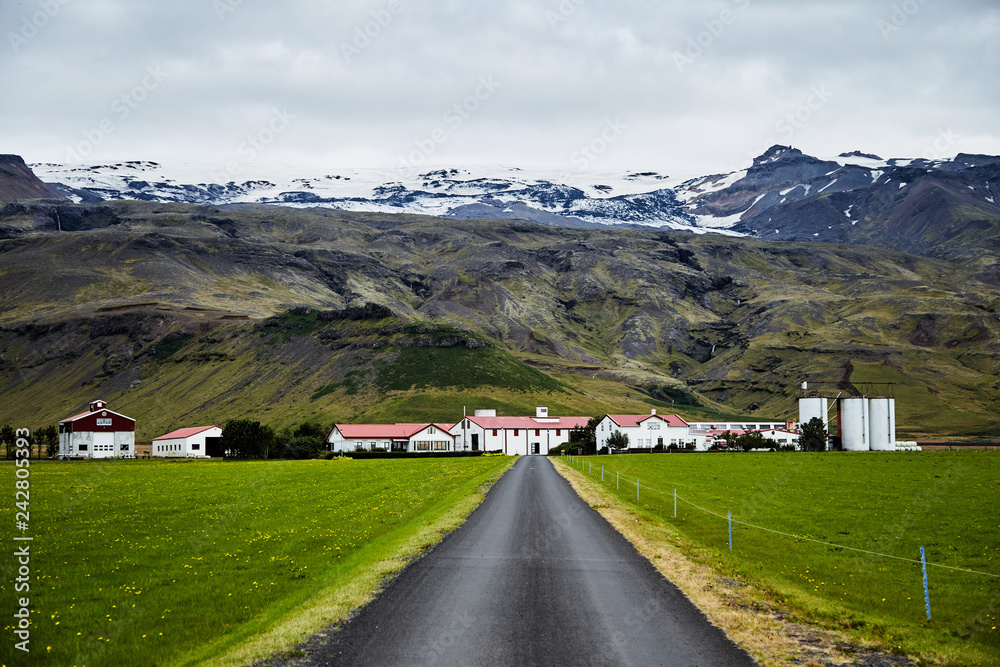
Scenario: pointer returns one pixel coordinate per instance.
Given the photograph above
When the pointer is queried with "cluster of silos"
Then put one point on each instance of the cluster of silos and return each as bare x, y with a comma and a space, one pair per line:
863, 423
867, 424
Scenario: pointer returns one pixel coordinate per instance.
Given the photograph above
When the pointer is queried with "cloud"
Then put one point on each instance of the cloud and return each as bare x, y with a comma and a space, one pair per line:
368, 80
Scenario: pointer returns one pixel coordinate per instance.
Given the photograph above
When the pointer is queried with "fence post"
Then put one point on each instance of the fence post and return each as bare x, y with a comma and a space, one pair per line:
618, 480
730, 513
602, 473
927, 594
675, 503
636, 489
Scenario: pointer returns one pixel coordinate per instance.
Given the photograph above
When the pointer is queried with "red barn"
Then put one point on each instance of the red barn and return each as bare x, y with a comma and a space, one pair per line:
98, 433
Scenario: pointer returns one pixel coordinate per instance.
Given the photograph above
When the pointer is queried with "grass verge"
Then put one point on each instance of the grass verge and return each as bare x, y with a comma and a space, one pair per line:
787, 599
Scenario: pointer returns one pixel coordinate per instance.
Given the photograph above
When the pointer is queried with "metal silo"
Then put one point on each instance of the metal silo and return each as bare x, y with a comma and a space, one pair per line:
852, 415
813, 407
882, 424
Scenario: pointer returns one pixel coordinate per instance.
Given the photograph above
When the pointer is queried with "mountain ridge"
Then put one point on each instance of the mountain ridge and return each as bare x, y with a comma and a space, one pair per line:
917, 205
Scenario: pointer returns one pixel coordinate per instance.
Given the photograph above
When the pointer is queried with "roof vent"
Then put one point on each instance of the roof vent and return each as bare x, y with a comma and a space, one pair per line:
97, 405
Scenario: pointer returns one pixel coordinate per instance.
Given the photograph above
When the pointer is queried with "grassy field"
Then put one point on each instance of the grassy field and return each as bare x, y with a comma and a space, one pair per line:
854, 503
180, 563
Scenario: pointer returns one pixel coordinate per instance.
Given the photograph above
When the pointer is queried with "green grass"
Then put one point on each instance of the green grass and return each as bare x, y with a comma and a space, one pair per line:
176, 563
464, 368
889, 504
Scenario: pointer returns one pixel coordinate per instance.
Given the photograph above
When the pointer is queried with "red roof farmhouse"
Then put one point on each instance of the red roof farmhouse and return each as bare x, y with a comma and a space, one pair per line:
98, 433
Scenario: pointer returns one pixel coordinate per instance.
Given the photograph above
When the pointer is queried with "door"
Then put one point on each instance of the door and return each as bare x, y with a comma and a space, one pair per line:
104, 445
534, 447
475, 442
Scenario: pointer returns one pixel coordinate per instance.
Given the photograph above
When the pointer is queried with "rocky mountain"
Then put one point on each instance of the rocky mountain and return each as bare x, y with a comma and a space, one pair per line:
17, 181
930, 207
184, 313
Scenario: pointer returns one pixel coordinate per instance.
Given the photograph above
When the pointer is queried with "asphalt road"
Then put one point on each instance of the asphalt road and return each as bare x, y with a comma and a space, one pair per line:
534, 577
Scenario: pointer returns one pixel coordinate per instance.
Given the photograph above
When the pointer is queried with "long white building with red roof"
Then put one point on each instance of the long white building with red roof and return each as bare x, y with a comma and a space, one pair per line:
514, 435
391, 437
185, 442
98, 433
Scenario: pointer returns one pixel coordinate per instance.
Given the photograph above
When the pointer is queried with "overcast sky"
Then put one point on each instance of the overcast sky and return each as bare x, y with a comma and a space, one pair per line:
659, 85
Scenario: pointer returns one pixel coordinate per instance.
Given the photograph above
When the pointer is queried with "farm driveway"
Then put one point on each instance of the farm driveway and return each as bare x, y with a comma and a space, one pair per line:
534, 577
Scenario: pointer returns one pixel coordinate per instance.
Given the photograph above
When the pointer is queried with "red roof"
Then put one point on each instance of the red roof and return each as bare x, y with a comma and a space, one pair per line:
184, 432
529, 422
88, 413
393, 431
635, 420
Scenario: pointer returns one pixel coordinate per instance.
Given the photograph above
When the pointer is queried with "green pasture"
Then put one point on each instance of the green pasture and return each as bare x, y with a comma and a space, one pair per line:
890, 503
178, 563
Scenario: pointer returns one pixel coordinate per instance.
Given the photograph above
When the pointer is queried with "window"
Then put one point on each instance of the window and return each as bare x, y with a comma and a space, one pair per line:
654, 425
194, 447
515, 431
125, 446
440, 446
83, 448
104, 422
558, 432
422, 445
538, 432
494, 433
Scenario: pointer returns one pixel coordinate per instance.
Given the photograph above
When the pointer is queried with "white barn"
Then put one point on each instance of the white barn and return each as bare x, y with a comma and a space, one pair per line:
185, 442
391, 437
98, 433
646, 431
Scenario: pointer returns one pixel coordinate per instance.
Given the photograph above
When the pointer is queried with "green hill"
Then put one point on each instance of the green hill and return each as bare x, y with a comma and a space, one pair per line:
181, 315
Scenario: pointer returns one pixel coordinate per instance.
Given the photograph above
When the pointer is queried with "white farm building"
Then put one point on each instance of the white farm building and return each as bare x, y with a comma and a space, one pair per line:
646, 431
514, 435
391, 438
185, 442
98, 433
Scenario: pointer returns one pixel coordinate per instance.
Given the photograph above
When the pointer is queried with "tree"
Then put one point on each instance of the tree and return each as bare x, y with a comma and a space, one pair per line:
618, 440
48, 437
8, 439
245, 439
585, 437
814, 436
750, 441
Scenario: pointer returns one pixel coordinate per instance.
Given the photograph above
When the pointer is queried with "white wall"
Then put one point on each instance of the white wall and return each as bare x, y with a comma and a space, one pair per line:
69, 444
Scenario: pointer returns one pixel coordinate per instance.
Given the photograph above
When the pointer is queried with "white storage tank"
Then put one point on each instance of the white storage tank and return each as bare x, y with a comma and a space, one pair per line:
813, 407
882, 424
852, 416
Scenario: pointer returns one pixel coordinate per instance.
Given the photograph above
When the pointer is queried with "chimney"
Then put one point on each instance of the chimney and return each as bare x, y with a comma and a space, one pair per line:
97, 405
653, 411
